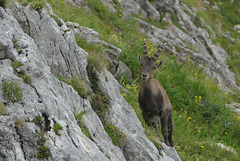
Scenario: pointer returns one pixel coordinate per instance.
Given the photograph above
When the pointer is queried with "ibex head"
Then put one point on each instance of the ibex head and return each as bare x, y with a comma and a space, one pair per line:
148, 65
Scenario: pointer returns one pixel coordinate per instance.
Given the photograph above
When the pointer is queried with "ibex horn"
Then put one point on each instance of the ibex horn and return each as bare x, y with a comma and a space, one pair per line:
157, 54
145, 51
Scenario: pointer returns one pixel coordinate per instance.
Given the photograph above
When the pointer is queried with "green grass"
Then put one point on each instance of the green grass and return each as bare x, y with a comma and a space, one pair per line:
200, 118
56, 128
81, 124
78, 85
11, 91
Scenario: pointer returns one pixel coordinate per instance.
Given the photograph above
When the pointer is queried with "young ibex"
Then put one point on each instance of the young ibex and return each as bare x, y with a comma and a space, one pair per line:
152, 97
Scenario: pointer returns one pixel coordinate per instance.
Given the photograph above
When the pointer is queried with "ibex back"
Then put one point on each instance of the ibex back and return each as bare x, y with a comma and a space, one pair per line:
152, 97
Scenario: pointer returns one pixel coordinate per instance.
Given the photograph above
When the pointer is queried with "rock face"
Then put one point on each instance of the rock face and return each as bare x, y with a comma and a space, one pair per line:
47, 50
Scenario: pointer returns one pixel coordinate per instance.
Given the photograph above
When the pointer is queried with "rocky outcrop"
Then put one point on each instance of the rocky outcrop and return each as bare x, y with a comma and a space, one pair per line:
45, 50
191, 39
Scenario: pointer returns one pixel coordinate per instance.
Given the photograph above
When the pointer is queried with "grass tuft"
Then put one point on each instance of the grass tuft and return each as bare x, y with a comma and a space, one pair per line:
56, 128
11, 91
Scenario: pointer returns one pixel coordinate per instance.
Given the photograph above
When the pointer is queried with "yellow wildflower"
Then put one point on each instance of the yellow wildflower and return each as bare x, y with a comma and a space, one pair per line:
189, 118
120, 15
198, 131
202, 146
238, 117
200, 97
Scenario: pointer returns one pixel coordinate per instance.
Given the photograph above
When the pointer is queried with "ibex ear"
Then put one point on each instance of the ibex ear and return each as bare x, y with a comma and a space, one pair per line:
158, 64
139, 57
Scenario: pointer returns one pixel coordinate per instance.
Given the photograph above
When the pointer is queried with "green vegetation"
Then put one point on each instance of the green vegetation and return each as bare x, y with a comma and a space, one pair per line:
78, 85
82, 125
38, 120
59, 22
21, 73
37, 5
115, 134
3, 110
96, 57
200, 118
3, 3
56, 128
11, 91
16, 46
100, 104
43, 153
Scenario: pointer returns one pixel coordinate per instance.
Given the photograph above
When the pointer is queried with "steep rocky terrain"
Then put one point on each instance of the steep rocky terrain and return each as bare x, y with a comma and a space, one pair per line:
45, 51
44, 47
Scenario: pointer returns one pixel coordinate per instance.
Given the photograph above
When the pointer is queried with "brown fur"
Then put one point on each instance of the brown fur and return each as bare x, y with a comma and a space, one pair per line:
152, 97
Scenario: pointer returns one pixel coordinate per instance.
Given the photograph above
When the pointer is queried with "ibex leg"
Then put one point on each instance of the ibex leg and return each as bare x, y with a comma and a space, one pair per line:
170, 128
164, 128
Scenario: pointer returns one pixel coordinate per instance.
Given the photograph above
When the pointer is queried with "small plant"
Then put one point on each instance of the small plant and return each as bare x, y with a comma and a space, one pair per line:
11, 91
21, 73
81, 124
37, 5
100, 104
43, 152
3, 110
115, 133
16, 64
56, 128
78, 84
38, 120
80, 115
19, 123
27, 79
16, 46
59, 22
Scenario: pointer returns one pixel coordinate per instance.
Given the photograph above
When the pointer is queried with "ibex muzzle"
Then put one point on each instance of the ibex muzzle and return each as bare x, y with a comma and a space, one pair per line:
152, 97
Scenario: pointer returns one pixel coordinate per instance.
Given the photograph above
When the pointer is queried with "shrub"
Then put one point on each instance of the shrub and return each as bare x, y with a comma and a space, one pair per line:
56, 128
43, 152
11, 91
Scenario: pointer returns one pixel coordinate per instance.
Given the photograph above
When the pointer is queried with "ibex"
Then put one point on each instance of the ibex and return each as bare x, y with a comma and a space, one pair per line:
152, 97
